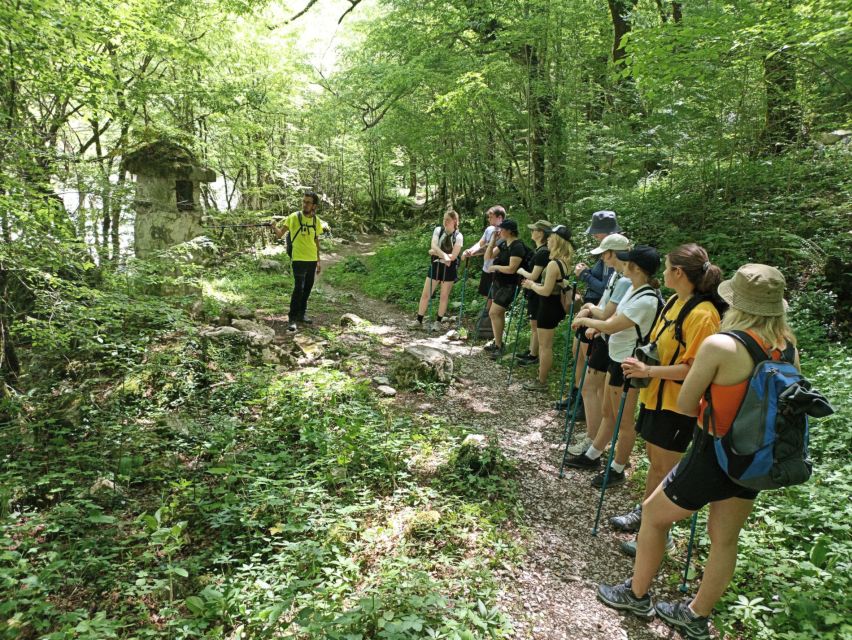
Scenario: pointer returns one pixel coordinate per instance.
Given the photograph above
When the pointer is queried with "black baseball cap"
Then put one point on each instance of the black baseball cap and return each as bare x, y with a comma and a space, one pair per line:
645, 257
562, 231
509, 225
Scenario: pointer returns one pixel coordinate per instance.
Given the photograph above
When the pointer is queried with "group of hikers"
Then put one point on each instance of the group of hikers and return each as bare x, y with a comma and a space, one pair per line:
702, 340
690, 362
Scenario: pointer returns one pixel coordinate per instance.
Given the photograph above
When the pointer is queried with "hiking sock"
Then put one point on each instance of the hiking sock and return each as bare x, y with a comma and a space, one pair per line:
592, 453
618, 468
420, 318
439, 318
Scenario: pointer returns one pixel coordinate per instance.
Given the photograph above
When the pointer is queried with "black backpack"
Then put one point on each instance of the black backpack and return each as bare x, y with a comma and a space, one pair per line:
288, 241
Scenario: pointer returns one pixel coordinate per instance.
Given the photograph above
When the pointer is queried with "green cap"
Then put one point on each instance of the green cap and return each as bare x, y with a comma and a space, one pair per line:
541, 225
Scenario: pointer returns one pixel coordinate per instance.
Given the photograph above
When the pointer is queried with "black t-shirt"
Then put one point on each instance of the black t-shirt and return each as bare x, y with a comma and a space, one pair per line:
540, 259
506, 253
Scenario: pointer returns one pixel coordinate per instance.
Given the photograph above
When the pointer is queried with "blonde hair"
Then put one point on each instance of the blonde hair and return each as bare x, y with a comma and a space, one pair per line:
453, 215
772, 329
562, 249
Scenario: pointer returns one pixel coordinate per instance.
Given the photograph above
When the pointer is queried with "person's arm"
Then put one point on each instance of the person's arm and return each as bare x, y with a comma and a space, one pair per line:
633, 368
476, 249
593, 280
434, 247
536, 272
551, 275
279, 231
489, 250
316, 240
616, 323
509, 269
457, 247
702, 372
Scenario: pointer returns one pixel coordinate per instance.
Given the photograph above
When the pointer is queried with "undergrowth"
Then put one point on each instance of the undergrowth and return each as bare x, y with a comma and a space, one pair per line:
187, 492
795, 556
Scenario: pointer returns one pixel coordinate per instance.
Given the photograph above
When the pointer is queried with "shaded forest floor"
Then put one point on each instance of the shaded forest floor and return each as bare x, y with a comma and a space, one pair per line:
550, 591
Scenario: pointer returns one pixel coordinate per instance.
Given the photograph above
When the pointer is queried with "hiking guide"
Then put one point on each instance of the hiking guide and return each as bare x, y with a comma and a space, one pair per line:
304, 228
508, 254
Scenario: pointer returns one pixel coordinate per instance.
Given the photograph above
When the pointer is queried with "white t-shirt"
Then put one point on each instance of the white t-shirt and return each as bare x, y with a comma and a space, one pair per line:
486, 238
640, 307
438, 235
616, 287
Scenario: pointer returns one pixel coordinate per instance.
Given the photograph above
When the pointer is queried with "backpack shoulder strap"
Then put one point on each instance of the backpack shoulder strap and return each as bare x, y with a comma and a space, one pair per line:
693, 302
561, 269
757, 352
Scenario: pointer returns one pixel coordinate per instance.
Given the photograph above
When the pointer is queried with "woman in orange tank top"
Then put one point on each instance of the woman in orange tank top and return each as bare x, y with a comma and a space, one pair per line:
756, 298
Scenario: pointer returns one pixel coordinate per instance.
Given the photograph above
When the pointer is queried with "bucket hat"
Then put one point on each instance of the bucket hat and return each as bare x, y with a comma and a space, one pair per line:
757, 289
603, 222
540, 225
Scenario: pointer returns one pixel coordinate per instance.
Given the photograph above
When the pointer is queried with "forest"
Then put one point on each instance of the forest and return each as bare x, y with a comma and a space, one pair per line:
181, 458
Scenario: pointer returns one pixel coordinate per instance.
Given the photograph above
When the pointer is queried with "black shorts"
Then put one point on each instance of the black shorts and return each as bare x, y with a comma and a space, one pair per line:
440, 271
485, 280
699, 480
666, 429
503, 294
616, 374
533, 304
550, 312
599, 356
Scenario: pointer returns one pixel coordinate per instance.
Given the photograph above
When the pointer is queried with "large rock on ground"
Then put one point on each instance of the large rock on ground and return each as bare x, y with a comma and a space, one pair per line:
256, 334
421, 363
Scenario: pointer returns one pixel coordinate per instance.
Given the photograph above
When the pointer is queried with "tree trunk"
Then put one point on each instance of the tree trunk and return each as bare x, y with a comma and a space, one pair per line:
620, 11
783, 113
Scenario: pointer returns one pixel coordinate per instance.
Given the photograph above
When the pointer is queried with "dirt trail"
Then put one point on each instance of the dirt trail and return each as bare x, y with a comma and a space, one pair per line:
552, 594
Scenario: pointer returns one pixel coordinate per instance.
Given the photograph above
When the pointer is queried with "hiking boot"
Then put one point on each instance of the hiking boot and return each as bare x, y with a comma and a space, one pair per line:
582, 462
436, 326
496, 353
415, 325
490, 346
525, 362
305, 320
615, 478
524, 356
621, 597
292, 326
628, 547
681, 618
535, 385
628, 522
580, 447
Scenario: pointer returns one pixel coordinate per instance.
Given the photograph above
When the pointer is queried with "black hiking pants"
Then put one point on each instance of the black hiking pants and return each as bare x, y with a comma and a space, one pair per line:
303, 276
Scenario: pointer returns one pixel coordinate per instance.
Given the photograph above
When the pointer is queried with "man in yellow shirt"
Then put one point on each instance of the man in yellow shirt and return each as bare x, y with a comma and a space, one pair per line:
305, 228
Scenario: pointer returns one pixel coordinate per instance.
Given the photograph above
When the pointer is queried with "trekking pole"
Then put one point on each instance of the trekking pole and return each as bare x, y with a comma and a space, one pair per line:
429, 306
567, 349
517, 337
688, 553
568, 431
507, 329
621, 404
481, 317
464, 284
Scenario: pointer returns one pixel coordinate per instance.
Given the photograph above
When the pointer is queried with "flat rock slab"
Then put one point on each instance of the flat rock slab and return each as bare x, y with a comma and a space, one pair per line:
254, 333
386, 390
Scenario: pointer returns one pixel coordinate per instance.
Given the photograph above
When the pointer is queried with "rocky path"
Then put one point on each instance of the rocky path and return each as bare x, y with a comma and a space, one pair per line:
552, 593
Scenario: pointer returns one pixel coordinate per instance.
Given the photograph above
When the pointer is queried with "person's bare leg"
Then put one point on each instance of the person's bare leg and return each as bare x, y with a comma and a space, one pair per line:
581, 358
424, 298
593, 401
662, 461
658, 515
724, 523
534, 337
545, 353
611, 399
446, 289
498, 321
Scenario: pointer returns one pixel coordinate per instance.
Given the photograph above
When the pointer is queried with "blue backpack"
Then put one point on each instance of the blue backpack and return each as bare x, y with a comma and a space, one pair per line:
767, 445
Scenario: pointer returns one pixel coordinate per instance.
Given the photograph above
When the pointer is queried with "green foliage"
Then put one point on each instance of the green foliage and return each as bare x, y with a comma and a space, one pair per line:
190, 494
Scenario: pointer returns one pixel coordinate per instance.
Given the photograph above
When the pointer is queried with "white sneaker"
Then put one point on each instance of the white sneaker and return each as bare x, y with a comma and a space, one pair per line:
581, 446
